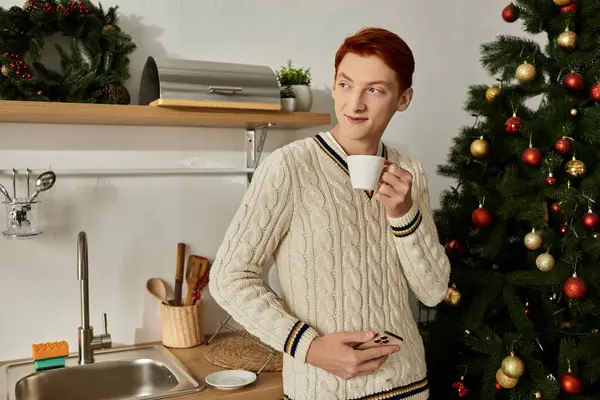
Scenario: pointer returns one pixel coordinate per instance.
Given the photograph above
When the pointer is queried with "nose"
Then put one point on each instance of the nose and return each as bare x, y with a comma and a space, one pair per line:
357, 102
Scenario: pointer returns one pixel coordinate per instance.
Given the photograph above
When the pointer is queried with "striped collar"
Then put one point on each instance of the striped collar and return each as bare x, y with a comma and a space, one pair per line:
332, 148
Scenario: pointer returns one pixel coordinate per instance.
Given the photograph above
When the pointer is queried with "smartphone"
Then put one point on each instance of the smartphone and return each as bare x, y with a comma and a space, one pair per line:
384, 338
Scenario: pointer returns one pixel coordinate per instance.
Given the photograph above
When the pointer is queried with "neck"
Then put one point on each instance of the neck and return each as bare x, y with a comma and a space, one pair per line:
365, 146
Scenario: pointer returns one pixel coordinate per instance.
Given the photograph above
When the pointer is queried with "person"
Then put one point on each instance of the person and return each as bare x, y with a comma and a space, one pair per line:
346, 258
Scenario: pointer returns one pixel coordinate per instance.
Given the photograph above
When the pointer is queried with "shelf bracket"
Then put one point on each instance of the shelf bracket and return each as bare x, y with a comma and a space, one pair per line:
254, 146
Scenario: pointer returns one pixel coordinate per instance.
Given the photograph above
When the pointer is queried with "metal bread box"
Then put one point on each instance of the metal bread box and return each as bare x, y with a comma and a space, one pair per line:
209, 84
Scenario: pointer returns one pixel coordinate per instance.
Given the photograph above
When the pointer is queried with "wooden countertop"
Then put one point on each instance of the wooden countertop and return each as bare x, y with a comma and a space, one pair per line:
268, 386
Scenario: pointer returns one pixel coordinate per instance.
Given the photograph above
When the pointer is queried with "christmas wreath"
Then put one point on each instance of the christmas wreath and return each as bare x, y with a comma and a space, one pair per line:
93, 69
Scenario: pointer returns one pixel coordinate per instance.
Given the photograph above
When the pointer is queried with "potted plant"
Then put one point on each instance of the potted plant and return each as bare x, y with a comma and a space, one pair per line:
299, 79
288, 101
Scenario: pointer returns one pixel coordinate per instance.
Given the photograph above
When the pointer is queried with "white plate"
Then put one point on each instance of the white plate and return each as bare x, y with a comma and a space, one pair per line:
232, 379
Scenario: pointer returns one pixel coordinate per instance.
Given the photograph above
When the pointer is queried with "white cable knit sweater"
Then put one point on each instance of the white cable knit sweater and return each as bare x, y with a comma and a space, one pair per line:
342, 263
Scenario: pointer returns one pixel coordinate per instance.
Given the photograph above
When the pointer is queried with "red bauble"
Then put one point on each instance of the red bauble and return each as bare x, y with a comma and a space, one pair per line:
574, 81
571, 7
595, 92
497, 386
513, 124
562, 146
481, 217
454, 248
571, 383
550, 180
590, 220
532, 157
510, 13
564, 229
574, 288
555, 207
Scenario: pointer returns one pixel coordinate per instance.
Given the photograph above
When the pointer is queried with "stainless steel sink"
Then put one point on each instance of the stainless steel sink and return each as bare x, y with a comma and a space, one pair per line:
149, 372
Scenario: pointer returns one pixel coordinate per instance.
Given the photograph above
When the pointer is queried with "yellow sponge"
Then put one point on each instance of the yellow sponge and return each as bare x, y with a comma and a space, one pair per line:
42, 351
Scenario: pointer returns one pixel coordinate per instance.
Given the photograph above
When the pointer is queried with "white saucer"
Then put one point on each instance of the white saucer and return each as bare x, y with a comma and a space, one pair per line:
232, 379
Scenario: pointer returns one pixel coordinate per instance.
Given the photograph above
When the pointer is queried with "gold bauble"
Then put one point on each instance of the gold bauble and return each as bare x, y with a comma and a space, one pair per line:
480, 148
453, 296
533, 240
505, 381
561, 2
4, 70
525, 72
513, 367
573, 111
538, 395
575, 168
545, 262
491, 93
567, 40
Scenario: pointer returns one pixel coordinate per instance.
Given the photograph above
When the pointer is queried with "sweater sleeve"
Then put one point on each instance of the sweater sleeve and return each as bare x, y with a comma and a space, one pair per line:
253, 235
424, 260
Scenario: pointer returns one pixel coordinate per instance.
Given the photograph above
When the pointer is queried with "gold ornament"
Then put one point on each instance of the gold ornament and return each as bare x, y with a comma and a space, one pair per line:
575, 168
567, 40
492, 93
480, 148
4, 70
533, 240
453, 296
538, 395
513, 367
573, 111
505, 381
525, 72
107, 27
545, 262
561, 2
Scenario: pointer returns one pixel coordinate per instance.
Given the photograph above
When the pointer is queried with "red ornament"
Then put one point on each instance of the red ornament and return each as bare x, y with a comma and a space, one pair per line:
481, 217
564, 228
510, 13
532, 157
454, 248
574, 81
571, 383
574, 287
513, 124
461, 388
571, 7
590, 220
550, 180
497, 386
562, 146
595, 92
555, 207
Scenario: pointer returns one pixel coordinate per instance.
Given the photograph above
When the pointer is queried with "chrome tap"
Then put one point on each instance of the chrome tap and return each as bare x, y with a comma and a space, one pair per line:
87, 342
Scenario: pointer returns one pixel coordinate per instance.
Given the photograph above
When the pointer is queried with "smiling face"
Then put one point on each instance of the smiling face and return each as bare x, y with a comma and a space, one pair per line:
367, 94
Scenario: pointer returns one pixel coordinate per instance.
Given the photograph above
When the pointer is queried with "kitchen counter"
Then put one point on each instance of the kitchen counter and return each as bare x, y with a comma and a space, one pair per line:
268, 386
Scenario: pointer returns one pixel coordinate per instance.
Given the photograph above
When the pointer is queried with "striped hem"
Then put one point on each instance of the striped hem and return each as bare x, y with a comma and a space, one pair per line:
408, 229
291, 342
397, 393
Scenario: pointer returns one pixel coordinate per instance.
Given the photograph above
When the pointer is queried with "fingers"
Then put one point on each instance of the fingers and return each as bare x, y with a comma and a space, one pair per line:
355, 337
398, 171
369, 366
376, 352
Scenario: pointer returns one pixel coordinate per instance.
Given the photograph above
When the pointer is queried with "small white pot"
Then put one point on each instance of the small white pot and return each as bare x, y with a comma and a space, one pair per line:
288, 104
304, 97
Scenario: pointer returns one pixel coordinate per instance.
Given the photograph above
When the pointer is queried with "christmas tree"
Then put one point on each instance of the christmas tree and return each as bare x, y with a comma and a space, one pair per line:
520, 226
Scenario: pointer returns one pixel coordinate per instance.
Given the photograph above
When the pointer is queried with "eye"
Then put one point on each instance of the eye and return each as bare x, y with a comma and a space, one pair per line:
375, 90
343, 85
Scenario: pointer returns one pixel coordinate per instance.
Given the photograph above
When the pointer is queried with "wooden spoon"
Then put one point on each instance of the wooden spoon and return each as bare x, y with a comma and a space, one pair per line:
157, 287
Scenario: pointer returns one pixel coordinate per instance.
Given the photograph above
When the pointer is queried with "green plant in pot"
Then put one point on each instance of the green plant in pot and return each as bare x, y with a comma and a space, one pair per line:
288, 100
299, 80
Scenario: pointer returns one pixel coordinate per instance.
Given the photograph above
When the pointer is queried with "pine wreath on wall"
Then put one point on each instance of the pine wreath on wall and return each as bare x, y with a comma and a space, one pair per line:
92, 70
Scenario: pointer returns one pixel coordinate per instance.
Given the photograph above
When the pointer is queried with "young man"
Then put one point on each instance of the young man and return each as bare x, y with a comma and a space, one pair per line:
346, 258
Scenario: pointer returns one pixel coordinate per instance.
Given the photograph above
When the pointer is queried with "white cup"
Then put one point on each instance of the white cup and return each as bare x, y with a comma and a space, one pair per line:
365, 171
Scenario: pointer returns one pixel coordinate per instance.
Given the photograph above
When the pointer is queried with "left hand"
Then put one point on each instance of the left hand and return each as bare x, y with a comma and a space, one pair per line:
394, 190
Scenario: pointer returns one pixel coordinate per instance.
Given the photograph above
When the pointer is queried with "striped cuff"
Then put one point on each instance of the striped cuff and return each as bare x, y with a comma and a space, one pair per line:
298, 340
408, 223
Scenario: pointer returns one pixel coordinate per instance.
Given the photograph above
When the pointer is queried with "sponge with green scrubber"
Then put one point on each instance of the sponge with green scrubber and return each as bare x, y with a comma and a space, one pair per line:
50, 355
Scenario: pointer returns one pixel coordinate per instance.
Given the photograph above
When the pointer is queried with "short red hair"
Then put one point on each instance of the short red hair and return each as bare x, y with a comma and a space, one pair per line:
386, 45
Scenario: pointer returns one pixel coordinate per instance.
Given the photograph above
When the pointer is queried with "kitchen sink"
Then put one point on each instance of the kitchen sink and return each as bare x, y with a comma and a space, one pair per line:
148, 372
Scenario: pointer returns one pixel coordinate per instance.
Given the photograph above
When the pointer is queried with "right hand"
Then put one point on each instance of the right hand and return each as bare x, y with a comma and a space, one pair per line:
334, 354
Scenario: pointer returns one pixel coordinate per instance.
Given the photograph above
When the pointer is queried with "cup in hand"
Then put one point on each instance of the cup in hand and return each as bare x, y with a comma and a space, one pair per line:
365, 171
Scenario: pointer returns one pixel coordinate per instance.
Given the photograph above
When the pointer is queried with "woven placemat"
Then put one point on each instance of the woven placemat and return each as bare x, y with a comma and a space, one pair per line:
238, 352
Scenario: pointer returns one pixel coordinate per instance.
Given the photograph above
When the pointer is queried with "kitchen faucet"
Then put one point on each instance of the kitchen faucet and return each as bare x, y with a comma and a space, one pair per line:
87, 342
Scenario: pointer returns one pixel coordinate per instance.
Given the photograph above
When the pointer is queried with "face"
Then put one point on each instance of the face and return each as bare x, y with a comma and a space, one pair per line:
366, 94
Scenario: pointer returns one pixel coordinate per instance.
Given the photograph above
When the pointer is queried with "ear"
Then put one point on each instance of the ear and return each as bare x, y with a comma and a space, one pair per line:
405, 99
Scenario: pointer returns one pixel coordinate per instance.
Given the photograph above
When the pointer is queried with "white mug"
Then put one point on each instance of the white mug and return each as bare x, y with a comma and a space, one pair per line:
365, 171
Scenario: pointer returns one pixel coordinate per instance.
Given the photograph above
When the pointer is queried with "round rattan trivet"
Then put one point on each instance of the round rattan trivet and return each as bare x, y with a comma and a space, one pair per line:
238, 352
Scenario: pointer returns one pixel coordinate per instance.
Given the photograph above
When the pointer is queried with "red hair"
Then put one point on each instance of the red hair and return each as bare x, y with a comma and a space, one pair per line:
386, 45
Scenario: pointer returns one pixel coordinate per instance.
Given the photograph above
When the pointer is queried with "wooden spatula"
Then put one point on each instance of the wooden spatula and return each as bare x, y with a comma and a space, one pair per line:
196, 266
179, 273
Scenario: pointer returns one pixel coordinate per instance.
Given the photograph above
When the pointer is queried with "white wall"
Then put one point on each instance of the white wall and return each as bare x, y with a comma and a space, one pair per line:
134, 224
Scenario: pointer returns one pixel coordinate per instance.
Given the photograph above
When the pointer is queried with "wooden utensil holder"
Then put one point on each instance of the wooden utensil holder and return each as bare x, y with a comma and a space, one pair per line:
182, 326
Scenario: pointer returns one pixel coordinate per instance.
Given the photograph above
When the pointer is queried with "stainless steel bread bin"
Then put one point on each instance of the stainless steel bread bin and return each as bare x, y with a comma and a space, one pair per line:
208, 84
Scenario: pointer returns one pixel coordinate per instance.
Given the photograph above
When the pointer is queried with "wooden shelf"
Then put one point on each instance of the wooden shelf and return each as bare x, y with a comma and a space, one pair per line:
136, 115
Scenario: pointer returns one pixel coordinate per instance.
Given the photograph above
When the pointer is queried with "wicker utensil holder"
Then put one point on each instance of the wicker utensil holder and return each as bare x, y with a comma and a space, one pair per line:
182, 326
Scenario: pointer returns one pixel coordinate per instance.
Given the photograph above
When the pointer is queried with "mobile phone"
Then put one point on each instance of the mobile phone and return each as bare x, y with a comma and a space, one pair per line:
384, 338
